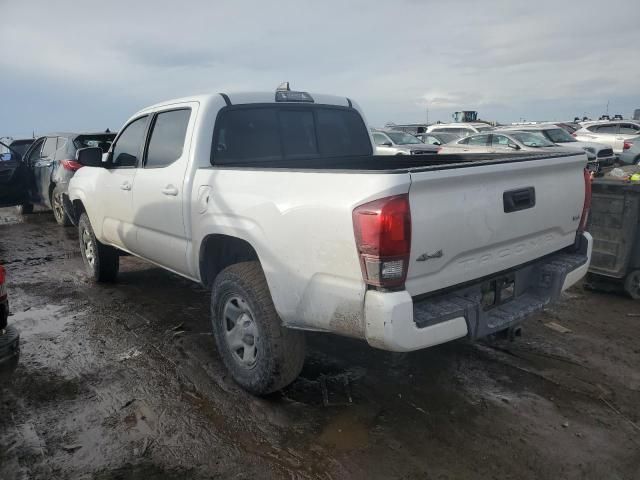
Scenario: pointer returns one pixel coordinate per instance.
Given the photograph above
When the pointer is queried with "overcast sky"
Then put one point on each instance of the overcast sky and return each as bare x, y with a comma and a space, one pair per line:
69, 65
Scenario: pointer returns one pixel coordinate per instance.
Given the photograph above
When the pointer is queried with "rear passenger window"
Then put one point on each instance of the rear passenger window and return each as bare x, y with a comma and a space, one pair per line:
129, 143
607, 128
167, 138
479, 140
628, 128
49, 147
499, 140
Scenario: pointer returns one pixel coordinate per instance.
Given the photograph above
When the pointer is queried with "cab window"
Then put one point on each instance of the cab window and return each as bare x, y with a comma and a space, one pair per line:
167, 138
128, 146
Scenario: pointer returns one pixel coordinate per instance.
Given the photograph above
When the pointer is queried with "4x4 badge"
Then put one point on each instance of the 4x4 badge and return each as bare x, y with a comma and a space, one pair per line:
428, 256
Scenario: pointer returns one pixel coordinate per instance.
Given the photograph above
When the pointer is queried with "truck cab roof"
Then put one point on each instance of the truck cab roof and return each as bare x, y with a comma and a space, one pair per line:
244, 98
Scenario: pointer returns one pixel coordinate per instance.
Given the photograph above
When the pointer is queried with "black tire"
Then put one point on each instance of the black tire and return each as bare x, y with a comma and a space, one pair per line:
277, 352
632, 284
25, 209
58, 208
102, 261
9, 344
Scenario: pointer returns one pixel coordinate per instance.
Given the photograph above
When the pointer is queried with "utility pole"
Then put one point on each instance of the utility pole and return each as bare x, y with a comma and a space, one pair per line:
607, 107
427, 107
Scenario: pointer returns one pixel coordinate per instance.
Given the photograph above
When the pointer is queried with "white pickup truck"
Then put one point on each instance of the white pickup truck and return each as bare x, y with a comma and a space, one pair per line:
276, 202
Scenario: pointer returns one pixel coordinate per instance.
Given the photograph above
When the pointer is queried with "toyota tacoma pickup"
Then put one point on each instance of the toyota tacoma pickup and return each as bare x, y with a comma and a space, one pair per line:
276, 202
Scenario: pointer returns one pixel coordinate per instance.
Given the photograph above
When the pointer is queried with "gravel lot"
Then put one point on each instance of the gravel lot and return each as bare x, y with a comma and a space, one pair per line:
124, 382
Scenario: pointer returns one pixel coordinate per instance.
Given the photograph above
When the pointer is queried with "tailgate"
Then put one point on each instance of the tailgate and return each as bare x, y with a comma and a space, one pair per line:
461, 232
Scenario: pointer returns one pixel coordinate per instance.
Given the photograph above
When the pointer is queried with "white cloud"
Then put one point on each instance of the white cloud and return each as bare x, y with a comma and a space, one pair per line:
396, 58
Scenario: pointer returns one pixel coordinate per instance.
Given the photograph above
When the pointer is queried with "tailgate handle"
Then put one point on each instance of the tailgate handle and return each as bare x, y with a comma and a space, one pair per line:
521, 199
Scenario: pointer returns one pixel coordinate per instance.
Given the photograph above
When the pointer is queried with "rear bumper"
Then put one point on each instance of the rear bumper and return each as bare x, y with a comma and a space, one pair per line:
395, 321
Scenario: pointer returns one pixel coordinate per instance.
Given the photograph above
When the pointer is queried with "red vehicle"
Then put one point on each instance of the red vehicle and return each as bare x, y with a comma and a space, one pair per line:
9, 336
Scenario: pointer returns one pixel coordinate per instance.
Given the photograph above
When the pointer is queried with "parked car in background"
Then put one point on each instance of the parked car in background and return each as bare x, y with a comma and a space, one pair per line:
9, 336
438, 138
52, 161
599, 152
501, 141
278, 205
412, 128
570, 127
612, 133
630, 152
14, 178
13, 146
460, 129
394, 142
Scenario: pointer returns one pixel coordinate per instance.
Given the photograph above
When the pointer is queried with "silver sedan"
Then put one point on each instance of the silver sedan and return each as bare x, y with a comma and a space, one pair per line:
502, 142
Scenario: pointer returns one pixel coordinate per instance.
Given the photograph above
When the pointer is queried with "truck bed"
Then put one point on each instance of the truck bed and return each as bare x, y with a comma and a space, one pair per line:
396, 163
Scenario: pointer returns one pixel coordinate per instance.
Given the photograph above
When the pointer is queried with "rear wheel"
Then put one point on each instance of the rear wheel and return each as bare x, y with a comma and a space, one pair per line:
102, 261
632, 284
58, 207
261, 354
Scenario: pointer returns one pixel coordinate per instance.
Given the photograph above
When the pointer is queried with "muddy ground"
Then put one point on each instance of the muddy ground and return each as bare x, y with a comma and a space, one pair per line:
124, 382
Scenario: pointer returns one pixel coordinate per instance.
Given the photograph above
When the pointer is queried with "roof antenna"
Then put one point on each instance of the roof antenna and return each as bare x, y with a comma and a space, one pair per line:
283, 87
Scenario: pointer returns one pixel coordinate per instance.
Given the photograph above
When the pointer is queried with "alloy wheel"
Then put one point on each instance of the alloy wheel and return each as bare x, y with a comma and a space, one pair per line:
241, 331
88, 250
58, 209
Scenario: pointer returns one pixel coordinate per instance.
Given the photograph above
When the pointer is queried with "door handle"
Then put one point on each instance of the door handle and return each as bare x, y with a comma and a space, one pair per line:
170, 190
125, 186
516, 200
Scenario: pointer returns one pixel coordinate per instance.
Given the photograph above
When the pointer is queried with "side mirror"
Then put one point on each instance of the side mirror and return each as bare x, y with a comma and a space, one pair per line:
386, 144
90, 157
513, 145
436, 143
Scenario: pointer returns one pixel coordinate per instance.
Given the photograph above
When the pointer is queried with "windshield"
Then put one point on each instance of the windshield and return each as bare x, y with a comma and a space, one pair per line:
559, 135
531, 139
402, 138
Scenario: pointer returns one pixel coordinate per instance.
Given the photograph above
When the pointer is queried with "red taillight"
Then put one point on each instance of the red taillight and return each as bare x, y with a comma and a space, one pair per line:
3, 288
588, 178
70, 165
383, 238
574, 134
627, 145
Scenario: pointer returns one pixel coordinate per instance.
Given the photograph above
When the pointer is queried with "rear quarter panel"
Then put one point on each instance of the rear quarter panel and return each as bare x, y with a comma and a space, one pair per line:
300, 224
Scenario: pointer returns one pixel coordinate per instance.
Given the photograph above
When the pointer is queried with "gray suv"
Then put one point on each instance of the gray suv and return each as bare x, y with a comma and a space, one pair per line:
52, 162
